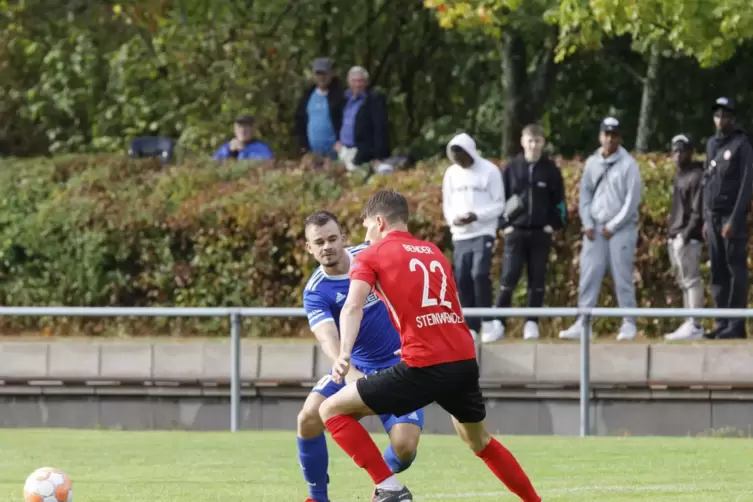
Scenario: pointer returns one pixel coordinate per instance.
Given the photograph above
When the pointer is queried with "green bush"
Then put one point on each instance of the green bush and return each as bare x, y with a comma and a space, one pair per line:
99, 230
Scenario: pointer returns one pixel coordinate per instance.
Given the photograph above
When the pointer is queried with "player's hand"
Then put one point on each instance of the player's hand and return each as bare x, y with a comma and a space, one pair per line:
590, 234
341, 368
459, 221
606, 233
471, 217
727, 231
705, 232
398, 352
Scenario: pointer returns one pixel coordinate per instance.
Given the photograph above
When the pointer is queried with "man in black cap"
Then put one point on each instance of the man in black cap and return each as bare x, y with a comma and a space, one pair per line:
319, 115
244, 146
685, 234
728, 183
610, 195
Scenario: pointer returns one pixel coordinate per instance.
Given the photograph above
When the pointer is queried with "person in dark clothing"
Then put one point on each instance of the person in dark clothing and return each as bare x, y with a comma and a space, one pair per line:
319, 115
535, 207
364, 135
685, 234
728, 183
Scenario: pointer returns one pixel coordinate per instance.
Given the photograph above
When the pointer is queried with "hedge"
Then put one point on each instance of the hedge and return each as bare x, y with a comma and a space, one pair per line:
105, 230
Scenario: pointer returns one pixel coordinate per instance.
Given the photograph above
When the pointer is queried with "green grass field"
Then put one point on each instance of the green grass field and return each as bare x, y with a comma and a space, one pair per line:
111, 466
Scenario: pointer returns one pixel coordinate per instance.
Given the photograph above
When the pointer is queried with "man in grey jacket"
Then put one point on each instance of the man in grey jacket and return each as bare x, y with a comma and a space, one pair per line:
610, 194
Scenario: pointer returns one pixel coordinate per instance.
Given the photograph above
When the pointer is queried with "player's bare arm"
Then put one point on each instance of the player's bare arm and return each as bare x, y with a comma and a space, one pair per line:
350, 323
326, 335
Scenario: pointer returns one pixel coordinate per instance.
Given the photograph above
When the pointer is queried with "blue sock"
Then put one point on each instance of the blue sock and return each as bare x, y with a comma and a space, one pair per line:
393, 461
312, 454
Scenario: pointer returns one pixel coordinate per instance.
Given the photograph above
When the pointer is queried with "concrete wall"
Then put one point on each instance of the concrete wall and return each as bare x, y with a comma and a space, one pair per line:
673, 414
506, 364
639, 389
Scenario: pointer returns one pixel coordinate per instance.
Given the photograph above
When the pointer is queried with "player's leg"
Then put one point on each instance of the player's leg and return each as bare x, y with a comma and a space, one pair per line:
312, 446
466, 405
404, 432
388, 392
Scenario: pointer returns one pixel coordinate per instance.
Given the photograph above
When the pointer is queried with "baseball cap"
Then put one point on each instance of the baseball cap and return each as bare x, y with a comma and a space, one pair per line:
322, 65
680, 142
610, 124
245, 119
724, 103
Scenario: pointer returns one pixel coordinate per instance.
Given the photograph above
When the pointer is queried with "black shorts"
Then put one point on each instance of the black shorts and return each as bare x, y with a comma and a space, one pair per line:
400, 390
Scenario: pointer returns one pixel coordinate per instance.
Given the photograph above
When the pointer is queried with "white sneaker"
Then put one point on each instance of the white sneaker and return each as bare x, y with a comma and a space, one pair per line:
687, 331
627, 332
531, 331
492, 331
574, 332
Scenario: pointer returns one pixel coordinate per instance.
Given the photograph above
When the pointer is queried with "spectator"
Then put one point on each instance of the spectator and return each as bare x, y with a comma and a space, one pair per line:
318, 118
364, 136
243, 146
726, 203
685, 226
610, 194
473, 199
535, 196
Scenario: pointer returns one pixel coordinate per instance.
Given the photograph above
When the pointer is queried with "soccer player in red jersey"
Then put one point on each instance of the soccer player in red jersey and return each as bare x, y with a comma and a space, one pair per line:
414, 279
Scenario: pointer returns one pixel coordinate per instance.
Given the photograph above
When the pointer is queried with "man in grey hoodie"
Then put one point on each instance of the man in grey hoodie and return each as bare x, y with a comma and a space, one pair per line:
610, 194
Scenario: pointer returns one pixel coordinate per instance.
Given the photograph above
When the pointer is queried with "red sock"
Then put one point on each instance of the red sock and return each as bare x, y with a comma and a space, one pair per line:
503, 464
356, 442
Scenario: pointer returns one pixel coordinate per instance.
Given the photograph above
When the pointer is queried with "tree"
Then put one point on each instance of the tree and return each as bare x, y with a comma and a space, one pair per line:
708, 30
526, 49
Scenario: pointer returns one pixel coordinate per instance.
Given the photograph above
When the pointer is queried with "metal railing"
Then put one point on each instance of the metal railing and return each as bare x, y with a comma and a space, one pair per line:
235, 315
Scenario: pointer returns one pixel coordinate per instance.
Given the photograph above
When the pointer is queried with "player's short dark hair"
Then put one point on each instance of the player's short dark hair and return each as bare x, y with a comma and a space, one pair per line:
389, 204
534, 130
319, 219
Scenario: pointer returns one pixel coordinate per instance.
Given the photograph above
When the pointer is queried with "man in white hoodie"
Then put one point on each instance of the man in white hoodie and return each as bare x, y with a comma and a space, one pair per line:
610, 194
473, 199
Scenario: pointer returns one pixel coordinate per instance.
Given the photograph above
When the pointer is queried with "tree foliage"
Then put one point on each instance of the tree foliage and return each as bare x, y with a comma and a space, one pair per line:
708, 30
87, 76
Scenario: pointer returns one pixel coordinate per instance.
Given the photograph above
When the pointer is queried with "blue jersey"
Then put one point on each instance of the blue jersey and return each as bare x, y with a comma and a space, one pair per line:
377, 340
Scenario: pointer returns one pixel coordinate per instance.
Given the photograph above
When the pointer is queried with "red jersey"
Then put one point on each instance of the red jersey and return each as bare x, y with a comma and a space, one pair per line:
414, 280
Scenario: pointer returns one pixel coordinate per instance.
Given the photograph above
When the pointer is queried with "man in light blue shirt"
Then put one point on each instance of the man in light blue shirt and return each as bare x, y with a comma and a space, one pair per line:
319, 114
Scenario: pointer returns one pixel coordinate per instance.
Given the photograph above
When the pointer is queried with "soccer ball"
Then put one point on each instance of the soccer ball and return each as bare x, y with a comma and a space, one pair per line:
48, 484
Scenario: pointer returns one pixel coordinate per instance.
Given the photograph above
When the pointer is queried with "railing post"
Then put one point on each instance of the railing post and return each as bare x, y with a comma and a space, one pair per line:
585, 377
235, 372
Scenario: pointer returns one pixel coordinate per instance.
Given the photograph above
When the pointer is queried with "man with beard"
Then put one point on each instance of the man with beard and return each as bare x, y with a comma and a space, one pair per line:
374, 350
726, 203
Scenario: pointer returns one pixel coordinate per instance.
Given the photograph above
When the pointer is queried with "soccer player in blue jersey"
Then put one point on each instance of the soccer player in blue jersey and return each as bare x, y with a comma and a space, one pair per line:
374, 350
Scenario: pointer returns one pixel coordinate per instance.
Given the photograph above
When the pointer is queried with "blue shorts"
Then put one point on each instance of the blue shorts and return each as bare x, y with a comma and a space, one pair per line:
328, 388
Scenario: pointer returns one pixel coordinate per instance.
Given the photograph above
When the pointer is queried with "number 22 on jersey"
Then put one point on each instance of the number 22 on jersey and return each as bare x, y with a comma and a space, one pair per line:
434, 267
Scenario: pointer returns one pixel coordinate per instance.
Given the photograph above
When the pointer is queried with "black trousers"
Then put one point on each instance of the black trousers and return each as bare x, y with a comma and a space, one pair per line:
529, 248
472, 263
729, 274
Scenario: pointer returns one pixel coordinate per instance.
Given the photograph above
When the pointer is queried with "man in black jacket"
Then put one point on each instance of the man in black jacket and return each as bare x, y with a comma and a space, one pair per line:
685, 234
728, 183
319, 115
364, 135
535, 207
